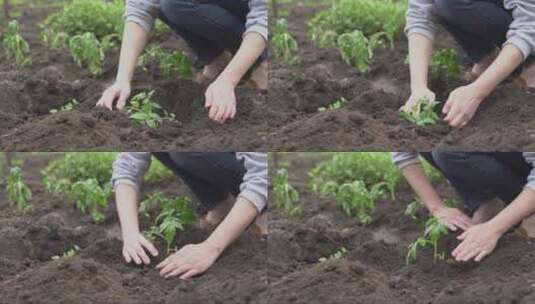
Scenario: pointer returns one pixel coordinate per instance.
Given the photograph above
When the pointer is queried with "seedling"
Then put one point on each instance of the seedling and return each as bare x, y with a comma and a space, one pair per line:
144, 110
413, 208
87, 50
16, 47
422, 113
342, 252
69, 106
285, 193
434, 230
171, 64
90, 197
67, 254
18, 193
358, 49
357, 199
284, 45
446, 62
175, 215
337, 104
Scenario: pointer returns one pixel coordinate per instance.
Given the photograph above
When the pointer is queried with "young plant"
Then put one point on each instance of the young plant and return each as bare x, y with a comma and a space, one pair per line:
67, 254
171, 64
422, 113
90, 197
356, 199
16, 47
284, 45
337, 104
144, 110
87, 50
446, 62
434, 230
342, 252
356, 48
286, 195
175, 215
413, 208
18, 193
69, 106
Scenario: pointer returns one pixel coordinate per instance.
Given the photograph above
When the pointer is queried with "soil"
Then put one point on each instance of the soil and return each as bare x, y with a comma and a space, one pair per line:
375, 270
370, 120
98, 273
27, 94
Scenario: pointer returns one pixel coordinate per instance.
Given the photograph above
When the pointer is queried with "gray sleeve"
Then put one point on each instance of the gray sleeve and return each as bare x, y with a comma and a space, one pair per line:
530, 159
421, 18
142, 12
522, 30
257, 19
403, 159
129, 168
255, 181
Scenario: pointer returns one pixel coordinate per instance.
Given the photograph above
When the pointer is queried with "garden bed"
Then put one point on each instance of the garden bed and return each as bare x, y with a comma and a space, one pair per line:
374, 270
98, 273
370, 119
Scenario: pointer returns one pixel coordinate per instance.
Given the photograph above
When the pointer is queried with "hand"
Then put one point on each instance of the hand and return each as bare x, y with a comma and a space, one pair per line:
453, 218
461, 105
119, 92
134, 247
417, 95
189, 261
478, 241
221, 100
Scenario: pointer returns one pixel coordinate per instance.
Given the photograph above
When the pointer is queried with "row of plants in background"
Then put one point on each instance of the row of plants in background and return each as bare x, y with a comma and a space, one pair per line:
285, 194
171, 64
144, 110
284, 46
357, 49
18, 193
15, 45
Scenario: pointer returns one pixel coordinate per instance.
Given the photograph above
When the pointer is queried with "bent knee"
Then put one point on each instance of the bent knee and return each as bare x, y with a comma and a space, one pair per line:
449, 9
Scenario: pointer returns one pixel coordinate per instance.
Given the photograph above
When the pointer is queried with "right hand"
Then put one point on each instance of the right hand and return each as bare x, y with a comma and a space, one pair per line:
416, 95
134, 247
118, 91
453, 218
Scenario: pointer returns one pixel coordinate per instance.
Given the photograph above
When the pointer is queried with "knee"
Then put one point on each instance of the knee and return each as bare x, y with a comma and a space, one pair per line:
452, 163
173, 8
448, 9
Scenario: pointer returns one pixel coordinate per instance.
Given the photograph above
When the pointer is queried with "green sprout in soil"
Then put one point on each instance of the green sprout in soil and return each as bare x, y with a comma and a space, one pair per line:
169, 63
342, 252
16, 47
18, 193
357, 199
434, 230
413, 208
284, 45
174, 216
90, 197
422, 113
446, 62
87, 50
337, 104
69, 106
144, 110
286, 195
67, 254
358, 49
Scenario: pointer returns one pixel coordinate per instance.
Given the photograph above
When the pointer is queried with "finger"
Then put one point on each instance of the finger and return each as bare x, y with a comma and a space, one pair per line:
233, 113
481, 255
219, 114
167, 270
126, 256
143, 255
224, 115
459, 248
451, 226
179, 270
148, 245
213, 111
462, 236
121, 102
452, 113
468, 255
189, 274
208, 99
461, 224
458, 120
466, 221
163, 263
447, 106
134, 256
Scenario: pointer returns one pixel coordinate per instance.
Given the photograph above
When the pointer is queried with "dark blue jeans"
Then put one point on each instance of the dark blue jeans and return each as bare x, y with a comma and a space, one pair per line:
211, 176
209, 27
479, 26
481, 177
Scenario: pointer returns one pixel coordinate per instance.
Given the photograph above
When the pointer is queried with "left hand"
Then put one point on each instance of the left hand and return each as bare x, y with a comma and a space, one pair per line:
461, 105
221, 100
478, 241
189, 261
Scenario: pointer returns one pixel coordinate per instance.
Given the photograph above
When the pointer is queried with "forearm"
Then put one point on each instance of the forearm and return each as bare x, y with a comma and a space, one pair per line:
508, 60
126, 198
239, 218
522, 207
252, 47
420, 50
418, 180
135, 39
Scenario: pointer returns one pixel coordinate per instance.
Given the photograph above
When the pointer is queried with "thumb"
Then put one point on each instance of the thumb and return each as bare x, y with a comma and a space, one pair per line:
121, 102
462, 236
447, 106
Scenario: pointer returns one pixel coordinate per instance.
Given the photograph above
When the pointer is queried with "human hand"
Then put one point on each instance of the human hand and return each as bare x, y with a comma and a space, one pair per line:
478, 241
134, 247
189, 261
453, 218
462, 105
221, 100
118, 91
416, 95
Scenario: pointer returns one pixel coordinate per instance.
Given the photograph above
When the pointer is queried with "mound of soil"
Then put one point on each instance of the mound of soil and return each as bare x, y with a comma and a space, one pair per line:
370, 120
98, 273
374, 269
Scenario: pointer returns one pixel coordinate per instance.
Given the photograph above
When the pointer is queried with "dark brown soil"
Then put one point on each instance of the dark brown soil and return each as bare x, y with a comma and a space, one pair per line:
27, 95
370, 121
98, 273
375, 271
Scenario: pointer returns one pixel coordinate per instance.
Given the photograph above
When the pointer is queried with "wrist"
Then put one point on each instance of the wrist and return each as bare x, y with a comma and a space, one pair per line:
497, 227
230, 77
481, 89
214, 247
436, 206
420, 87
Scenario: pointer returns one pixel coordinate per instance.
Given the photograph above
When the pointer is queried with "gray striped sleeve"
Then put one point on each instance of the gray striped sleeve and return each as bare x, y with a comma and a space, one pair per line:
255, 182
530, 159
522, 30
142, 12
129, 168
257, 19
421, 18
403, 159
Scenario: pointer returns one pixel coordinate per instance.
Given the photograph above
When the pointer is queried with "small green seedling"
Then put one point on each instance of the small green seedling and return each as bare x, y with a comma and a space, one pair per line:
69, 106
413, 208
175, 215
67, 254
337, 104
422, 113
87, 50
434, 230
446, 62
18, 193
90, 197
357, 199
356, 48
342, 252
285, 193
16, 47
170, 63
285, 47
144, 110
